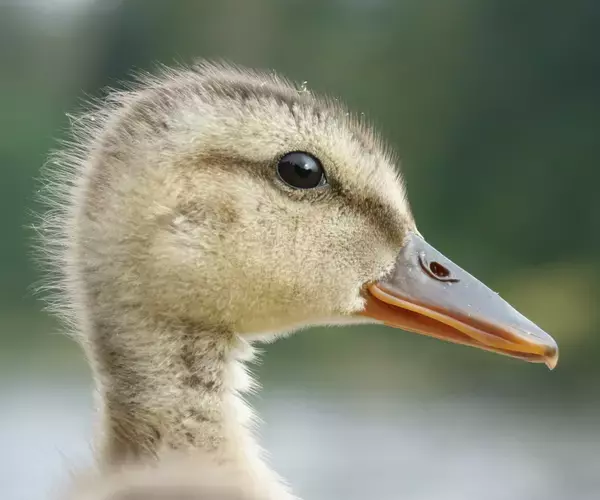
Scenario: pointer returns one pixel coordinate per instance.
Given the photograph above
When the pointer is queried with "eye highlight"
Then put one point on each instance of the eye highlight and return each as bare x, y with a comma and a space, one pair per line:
301, 170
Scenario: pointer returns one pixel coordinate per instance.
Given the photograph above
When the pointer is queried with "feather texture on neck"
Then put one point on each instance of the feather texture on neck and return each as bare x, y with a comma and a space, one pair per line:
178, 392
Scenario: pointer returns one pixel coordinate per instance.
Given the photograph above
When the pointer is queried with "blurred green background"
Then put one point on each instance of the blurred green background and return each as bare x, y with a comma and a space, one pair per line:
494, 108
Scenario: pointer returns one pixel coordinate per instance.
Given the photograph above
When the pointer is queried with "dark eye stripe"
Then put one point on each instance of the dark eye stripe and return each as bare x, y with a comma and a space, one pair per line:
301, 170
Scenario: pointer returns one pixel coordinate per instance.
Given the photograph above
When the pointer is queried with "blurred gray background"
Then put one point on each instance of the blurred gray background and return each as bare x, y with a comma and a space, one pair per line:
495, 109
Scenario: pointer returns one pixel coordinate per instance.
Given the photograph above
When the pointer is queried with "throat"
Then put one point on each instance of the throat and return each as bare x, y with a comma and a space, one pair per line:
175, 390
171, 390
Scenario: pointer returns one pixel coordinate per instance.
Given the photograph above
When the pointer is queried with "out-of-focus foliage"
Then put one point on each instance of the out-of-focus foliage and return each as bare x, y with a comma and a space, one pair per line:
493, 106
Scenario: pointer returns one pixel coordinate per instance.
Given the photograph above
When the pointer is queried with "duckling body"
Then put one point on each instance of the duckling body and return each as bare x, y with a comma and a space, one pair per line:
187, 225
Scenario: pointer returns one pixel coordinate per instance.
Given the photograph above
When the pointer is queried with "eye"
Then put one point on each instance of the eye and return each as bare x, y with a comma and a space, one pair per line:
301, 171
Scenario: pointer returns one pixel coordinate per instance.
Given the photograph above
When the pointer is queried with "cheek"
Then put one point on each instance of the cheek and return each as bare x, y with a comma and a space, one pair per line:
267, 266
336, 258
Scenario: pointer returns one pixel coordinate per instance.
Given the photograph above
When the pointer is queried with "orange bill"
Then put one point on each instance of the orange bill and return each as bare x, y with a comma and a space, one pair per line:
427, 293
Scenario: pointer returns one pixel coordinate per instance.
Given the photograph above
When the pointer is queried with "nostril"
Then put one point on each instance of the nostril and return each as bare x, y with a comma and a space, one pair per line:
436, 270
439, 270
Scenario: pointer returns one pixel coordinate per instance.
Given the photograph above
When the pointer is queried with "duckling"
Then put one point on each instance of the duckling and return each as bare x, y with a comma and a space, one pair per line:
209, 207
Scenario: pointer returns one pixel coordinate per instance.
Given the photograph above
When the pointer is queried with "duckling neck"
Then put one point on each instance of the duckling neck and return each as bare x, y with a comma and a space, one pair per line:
174, 385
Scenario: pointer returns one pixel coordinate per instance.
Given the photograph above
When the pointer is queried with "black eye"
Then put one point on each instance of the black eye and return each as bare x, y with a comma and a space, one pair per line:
301, 171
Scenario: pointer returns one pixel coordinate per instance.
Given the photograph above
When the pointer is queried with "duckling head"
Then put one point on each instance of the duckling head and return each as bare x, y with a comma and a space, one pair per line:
237, 200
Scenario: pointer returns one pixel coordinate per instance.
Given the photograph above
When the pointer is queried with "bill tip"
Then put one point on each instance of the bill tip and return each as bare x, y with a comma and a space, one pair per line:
552, 360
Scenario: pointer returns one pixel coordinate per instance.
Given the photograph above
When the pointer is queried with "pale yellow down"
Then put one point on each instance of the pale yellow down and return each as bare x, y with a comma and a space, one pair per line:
174, 244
